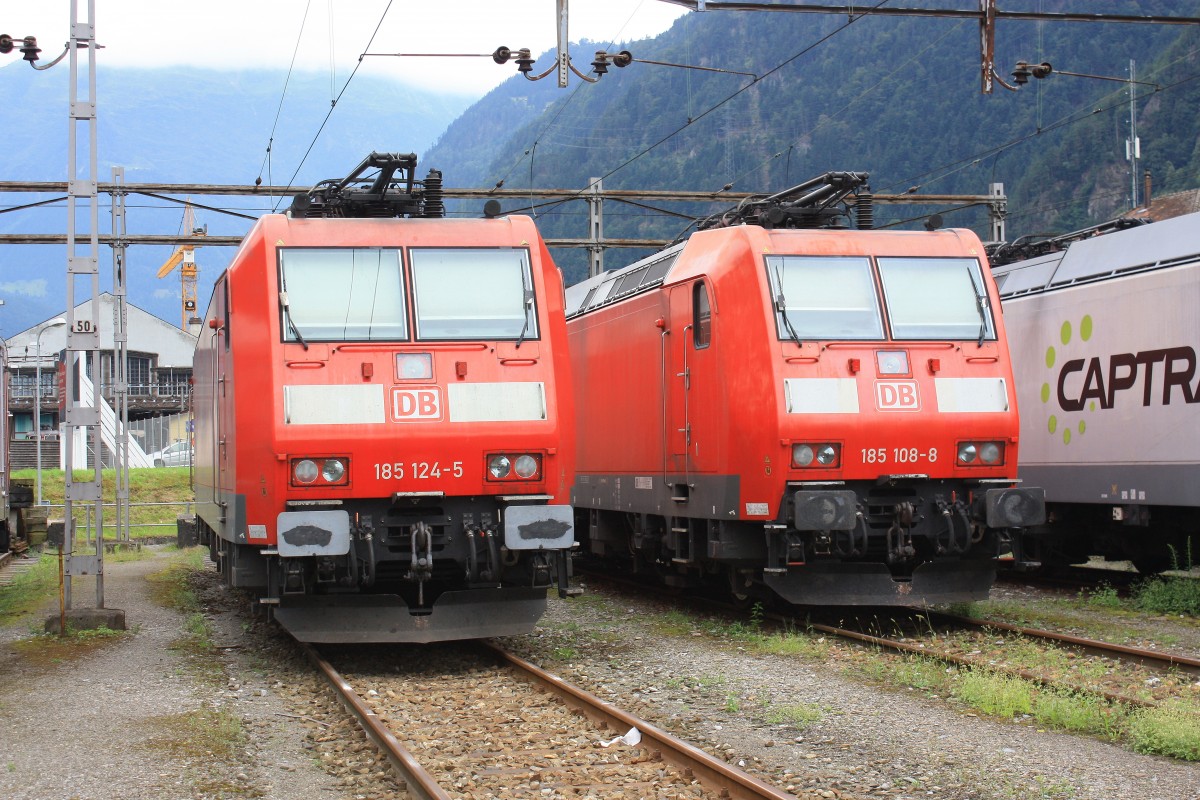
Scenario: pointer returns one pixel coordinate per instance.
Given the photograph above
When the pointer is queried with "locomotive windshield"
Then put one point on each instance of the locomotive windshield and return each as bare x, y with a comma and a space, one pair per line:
818, 297
936, 298
473, 294
343, 294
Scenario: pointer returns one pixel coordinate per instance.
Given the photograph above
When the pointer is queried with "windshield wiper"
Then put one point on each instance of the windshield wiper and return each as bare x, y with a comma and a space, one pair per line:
981, 305
781, 307
287, 313
527, 294
528, 307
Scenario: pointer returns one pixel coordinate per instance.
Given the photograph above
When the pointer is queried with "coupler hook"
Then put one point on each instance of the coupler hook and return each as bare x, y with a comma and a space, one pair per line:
421, 564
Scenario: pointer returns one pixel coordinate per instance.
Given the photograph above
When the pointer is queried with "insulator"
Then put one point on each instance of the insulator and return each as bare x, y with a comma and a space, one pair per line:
29, 49
434, 205
864, 211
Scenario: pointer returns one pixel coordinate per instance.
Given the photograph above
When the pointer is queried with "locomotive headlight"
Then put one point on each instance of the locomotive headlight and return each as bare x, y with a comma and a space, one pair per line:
305, 471
802, 455
816, 455
892, 362
526, 466
991, 452
981, 453
333, 470
499, 466
414, 366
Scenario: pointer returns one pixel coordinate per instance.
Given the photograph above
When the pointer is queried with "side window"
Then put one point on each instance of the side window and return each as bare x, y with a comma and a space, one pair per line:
227, 320
701, 316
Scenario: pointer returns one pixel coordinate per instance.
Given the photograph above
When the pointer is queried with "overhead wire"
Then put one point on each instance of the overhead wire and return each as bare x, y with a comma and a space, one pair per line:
279, 111
1068, 119
754, 82
1063, 122
828, 119
334, 102
562, 108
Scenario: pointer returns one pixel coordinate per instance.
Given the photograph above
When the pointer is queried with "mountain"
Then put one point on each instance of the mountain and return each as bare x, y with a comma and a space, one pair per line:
185, 126
898, 97
784, 97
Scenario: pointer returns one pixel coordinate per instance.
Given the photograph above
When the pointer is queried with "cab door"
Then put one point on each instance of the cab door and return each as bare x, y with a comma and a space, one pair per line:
694, 411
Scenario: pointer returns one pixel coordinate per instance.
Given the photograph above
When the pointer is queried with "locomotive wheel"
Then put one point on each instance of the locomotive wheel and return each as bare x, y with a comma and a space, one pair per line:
743, 596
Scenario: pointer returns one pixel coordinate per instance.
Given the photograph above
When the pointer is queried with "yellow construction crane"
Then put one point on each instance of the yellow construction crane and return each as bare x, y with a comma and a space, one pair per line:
186, 256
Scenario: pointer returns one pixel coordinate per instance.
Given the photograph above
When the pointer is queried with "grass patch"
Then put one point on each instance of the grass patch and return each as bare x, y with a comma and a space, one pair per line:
798, 716
1103, 596
673, 623
994, 694
1071, 711
31, 589
47, 649
1171, 730
161, 485
925, 674
791, 644
171, 587
202, 734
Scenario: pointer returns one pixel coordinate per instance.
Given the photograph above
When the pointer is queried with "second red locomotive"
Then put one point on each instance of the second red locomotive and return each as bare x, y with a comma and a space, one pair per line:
382, 422
826, 416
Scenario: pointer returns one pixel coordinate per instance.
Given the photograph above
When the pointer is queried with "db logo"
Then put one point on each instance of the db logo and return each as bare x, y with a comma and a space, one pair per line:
416, 405
897, 396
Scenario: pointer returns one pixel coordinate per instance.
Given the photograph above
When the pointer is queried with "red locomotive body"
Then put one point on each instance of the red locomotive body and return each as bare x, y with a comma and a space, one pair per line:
384, 439
823, 415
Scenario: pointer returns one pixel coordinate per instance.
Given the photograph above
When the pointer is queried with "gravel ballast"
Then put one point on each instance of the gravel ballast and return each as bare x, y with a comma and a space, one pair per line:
92, 725
112, 721
865, 741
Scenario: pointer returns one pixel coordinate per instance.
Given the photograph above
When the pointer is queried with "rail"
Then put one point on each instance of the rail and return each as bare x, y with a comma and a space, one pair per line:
716, 776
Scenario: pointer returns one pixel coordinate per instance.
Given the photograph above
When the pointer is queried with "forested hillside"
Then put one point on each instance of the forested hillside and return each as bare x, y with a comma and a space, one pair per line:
897, 97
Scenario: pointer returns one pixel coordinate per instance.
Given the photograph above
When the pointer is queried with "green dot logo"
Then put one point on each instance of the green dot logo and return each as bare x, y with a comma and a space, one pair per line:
1066, 333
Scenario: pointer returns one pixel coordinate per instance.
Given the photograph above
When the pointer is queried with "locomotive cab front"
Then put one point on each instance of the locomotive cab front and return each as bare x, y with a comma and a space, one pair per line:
381, 426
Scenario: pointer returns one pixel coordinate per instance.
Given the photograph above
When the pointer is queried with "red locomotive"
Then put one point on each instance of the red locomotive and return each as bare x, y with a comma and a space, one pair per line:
383, 430
827, 416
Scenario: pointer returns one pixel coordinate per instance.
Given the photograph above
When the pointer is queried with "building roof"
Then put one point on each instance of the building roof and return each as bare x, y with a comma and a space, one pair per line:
1169, 206
145, 333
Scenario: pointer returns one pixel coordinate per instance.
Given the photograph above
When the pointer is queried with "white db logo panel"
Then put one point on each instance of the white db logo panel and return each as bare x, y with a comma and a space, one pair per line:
897, 396
417, 404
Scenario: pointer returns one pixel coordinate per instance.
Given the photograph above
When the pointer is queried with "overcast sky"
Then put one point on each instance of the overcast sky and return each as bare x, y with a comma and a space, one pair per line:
233, 34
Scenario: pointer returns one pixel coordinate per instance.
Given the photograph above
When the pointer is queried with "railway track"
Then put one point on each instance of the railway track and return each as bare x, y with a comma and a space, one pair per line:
1083, 579
12, 568
928, 647
476, 721
1146, 677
